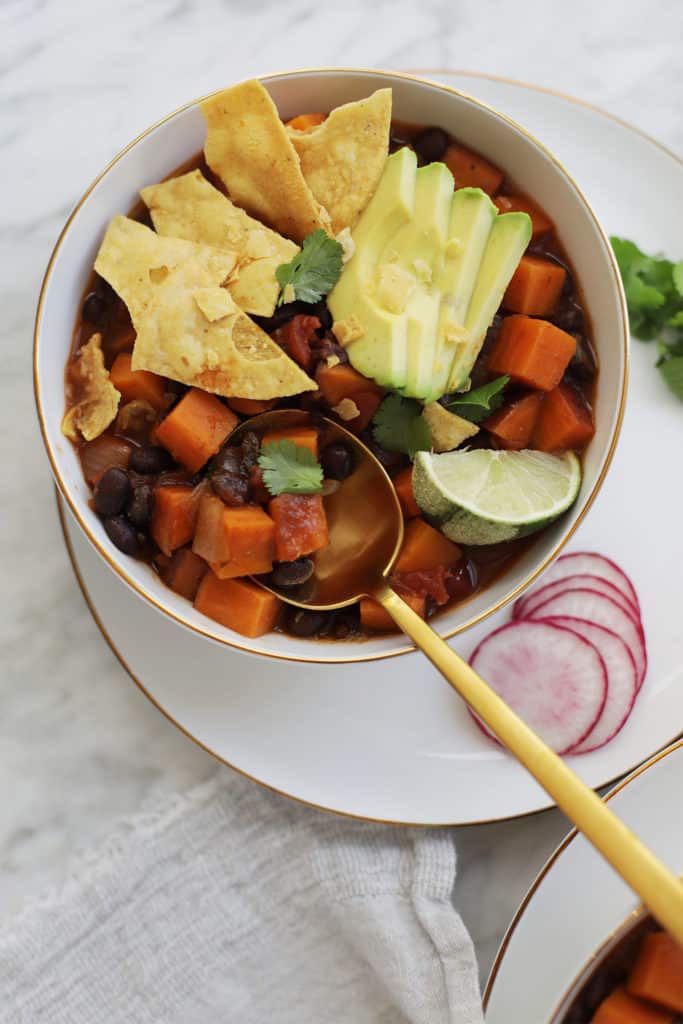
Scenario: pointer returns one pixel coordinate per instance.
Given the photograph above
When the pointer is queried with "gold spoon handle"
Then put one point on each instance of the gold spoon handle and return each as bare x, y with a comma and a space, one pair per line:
658, 887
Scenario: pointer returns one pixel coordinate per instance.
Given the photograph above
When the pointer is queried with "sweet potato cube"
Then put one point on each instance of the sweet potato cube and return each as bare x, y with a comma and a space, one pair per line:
535, 286
196, 428
403, 483
342, 381
658, 972
374, 618
184, 573
137, 384
234, 541
238, 604
533, 352
513, 425
425, 548
622, 1008
304, 437
250, 537
470, 170
175, 516
300, 525
564, 422
540, 224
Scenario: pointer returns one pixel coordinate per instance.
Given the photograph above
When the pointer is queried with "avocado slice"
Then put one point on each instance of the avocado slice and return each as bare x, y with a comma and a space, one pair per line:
419, 247
379, 352
509, 237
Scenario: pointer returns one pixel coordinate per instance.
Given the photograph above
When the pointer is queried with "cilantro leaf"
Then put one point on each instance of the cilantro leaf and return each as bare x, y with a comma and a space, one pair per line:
398, 426
671, 369
314, 271
654, 294
290, 469
476, 405
653, 287
678, 277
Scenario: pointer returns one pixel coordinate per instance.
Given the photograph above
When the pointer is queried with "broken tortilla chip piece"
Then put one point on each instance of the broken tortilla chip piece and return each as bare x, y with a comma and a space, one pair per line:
133, 258
96, 398
190, 207
188, 328
343, 158
248, 147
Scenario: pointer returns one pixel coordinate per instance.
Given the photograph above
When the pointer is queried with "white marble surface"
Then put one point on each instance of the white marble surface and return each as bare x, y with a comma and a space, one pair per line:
79, 745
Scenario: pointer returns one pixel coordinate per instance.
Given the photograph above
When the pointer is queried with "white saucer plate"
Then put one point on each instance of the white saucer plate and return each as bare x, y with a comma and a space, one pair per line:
577, 901
388, 740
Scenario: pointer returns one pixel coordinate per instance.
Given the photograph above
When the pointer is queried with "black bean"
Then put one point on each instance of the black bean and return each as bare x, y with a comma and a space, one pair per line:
292, 574
231, 488
95, 309
228, 460
584, 363
123, 534
323, 314
111, 492
337, 461
430, 145
392, 461
251, 445
302, 622
141, 505
569, 317
150, 459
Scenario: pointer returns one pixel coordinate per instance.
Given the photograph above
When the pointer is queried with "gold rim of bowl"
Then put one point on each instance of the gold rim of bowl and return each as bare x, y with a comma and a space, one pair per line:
353, 652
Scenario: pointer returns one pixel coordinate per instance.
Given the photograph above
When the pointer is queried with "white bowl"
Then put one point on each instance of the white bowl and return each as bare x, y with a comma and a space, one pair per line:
171, 142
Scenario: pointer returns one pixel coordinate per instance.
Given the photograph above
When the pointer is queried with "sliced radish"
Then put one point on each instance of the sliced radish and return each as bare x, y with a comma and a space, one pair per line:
579, 562
589, 604
526, 604
554, 679
622, 680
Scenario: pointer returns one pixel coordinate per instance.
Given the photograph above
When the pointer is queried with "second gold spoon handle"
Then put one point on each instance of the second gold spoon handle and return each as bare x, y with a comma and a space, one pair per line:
657, 886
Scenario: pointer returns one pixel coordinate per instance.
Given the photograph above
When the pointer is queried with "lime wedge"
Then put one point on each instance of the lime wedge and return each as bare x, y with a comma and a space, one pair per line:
484, 496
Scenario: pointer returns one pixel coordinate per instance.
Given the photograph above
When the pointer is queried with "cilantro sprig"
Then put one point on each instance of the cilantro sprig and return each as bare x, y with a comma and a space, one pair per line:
654, 294
476, 405
398, 426
289, 468
313, 272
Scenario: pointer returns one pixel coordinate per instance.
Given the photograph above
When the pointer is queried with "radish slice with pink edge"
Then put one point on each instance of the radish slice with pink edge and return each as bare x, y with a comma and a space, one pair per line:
530, 601
554, 679
622, 680
577, 563
594, 606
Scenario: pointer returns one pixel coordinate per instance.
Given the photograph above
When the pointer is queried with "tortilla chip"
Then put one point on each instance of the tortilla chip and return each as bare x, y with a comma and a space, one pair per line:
249, 149
343, 158
98, 399
190, 207
133, 258
188, 328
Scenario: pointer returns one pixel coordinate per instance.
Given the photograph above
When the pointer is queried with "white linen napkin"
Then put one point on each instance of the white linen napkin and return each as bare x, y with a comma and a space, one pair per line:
232, 904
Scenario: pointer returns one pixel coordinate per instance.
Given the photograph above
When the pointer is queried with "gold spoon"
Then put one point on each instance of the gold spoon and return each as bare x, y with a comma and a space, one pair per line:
366, 531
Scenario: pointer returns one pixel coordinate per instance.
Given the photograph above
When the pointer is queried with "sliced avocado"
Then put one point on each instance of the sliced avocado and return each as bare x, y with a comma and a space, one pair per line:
428, 274
379, 352
509, 237
419, 247
472, 217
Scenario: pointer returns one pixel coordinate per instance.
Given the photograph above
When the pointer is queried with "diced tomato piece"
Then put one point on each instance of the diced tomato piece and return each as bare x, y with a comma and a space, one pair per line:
300, 525
426, 583
295, 338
